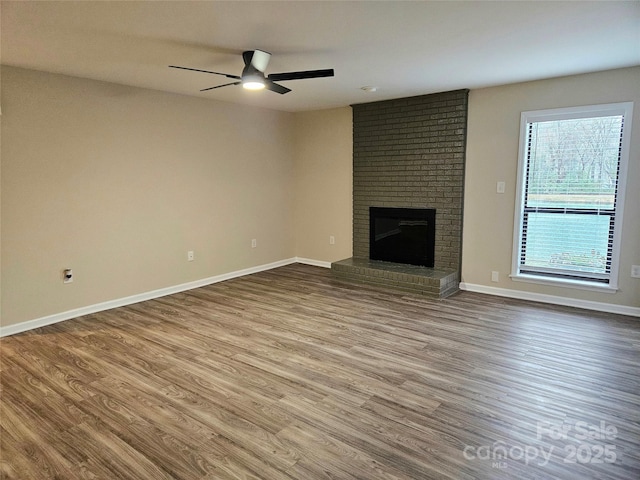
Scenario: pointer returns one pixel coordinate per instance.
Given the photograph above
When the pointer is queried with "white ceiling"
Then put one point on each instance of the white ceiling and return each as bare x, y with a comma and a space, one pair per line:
403, 48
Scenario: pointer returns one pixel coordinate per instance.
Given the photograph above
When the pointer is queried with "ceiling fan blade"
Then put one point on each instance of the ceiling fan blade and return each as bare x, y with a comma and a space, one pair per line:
219, 86
281, 77
235, 77
274, 87
258, 59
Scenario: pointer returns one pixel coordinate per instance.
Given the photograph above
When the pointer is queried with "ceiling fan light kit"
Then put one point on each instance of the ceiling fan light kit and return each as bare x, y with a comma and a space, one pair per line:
253, 85
253, 77
253, 82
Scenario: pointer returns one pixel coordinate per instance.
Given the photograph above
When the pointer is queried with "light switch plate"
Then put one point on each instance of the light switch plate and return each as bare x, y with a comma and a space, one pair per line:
500, 186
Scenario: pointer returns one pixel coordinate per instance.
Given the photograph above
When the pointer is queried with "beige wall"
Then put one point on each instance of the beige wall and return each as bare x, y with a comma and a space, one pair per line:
119, 183
323, 188
492, 155
0, 197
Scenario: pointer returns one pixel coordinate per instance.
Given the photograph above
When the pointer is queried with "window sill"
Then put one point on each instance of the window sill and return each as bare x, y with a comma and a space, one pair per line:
557, 282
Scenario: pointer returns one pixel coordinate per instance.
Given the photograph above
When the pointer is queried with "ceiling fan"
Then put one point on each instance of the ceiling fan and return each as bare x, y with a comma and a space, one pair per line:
253, 77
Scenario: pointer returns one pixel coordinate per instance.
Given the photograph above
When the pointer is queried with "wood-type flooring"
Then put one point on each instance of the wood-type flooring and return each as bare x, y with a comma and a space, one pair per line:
290, 374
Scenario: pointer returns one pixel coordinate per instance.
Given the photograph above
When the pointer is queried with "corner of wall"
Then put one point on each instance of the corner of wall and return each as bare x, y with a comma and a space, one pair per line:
323, 184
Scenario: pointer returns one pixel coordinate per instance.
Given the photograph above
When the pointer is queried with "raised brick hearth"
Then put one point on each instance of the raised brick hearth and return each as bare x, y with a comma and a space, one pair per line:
409, 153
408, 278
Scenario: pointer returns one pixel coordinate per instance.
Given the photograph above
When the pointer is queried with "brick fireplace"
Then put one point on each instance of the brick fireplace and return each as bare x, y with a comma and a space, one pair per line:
409, 153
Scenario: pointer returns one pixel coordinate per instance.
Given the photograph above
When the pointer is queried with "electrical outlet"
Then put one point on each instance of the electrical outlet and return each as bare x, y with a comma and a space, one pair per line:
190, 256
254, 243
495, 276
332, 240
67, 276
635, 271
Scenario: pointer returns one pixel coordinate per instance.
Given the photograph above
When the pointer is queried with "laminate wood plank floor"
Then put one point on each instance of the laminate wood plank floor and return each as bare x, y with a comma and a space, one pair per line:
290, 374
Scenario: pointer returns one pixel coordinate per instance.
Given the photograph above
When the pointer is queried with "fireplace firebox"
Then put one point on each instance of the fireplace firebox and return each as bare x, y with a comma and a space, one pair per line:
402, 235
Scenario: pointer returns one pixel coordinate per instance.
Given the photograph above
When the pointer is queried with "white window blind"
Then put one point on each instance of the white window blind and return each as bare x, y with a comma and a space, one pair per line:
570, 193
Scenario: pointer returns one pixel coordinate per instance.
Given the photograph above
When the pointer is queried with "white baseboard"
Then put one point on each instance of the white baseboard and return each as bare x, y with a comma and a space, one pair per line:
121, 302
553, 299
315, 263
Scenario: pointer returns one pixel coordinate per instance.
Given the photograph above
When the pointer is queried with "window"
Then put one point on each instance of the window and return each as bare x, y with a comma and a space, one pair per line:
570, 194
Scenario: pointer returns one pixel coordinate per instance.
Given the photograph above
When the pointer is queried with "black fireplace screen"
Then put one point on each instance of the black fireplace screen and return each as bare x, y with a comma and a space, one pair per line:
402, 235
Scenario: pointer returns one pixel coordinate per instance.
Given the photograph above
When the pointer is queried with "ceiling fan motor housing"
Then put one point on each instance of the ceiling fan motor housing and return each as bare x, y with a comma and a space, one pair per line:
249, 73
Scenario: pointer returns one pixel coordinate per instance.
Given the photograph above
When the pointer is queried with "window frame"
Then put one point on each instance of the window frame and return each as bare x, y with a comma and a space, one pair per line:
567, 113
